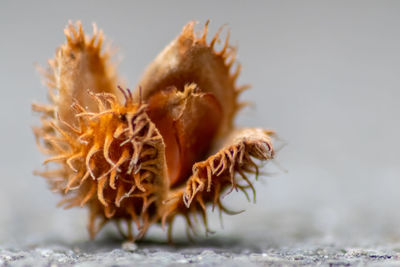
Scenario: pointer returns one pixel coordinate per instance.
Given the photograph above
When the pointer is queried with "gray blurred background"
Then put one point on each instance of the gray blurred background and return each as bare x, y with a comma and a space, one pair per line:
325, 76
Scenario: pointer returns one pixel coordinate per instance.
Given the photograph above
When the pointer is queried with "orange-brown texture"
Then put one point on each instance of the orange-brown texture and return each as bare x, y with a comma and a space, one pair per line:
170, 148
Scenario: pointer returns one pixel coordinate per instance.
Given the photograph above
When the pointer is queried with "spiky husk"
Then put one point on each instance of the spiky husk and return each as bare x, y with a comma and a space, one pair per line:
219, 175
113, 161
112, 157
191, 59
80, 64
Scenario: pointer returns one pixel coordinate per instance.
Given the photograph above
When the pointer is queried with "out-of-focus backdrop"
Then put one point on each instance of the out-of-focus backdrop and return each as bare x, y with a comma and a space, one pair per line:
324, 75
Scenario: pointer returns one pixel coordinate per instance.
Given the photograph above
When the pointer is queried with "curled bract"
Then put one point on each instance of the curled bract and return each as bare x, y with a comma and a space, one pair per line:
145, 157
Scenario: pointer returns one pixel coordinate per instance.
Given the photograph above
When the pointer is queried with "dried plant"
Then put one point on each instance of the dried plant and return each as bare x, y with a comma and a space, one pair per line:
167, 149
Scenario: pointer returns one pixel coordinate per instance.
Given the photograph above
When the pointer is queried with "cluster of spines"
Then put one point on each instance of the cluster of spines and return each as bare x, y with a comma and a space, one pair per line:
229, 55
216, 177
76, 39
110, 155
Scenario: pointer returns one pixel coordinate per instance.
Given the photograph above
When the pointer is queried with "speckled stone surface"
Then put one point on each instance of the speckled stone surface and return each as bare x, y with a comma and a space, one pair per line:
286, 240
156, 255
210, 253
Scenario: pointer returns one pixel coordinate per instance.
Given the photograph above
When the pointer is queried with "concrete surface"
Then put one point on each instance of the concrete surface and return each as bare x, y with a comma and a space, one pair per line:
156, 255
218, 251
287, 238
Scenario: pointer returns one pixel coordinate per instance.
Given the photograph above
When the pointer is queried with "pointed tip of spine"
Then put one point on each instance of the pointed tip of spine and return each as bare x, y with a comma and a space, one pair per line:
203, 38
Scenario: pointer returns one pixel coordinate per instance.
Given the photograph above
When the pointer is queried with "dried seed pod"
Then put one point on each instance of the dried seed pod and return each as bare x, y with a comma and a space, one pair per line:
148, 157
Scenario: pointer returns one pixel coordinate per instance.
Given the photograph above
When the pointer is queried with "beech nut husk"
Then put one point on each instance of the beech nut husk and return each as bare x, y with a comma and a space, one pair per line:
141, 158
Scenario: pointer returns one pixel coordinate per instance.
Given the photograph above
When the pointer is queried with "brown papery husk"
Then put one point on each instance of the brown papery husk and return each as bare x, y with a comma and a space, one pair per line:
191, 59
81, 64
189, 134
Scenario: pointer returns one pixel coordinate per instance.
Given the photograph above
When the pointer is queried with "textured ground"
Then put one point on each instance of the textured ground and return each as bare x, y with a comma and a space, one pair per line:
206, 254
219, 252
296, 239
